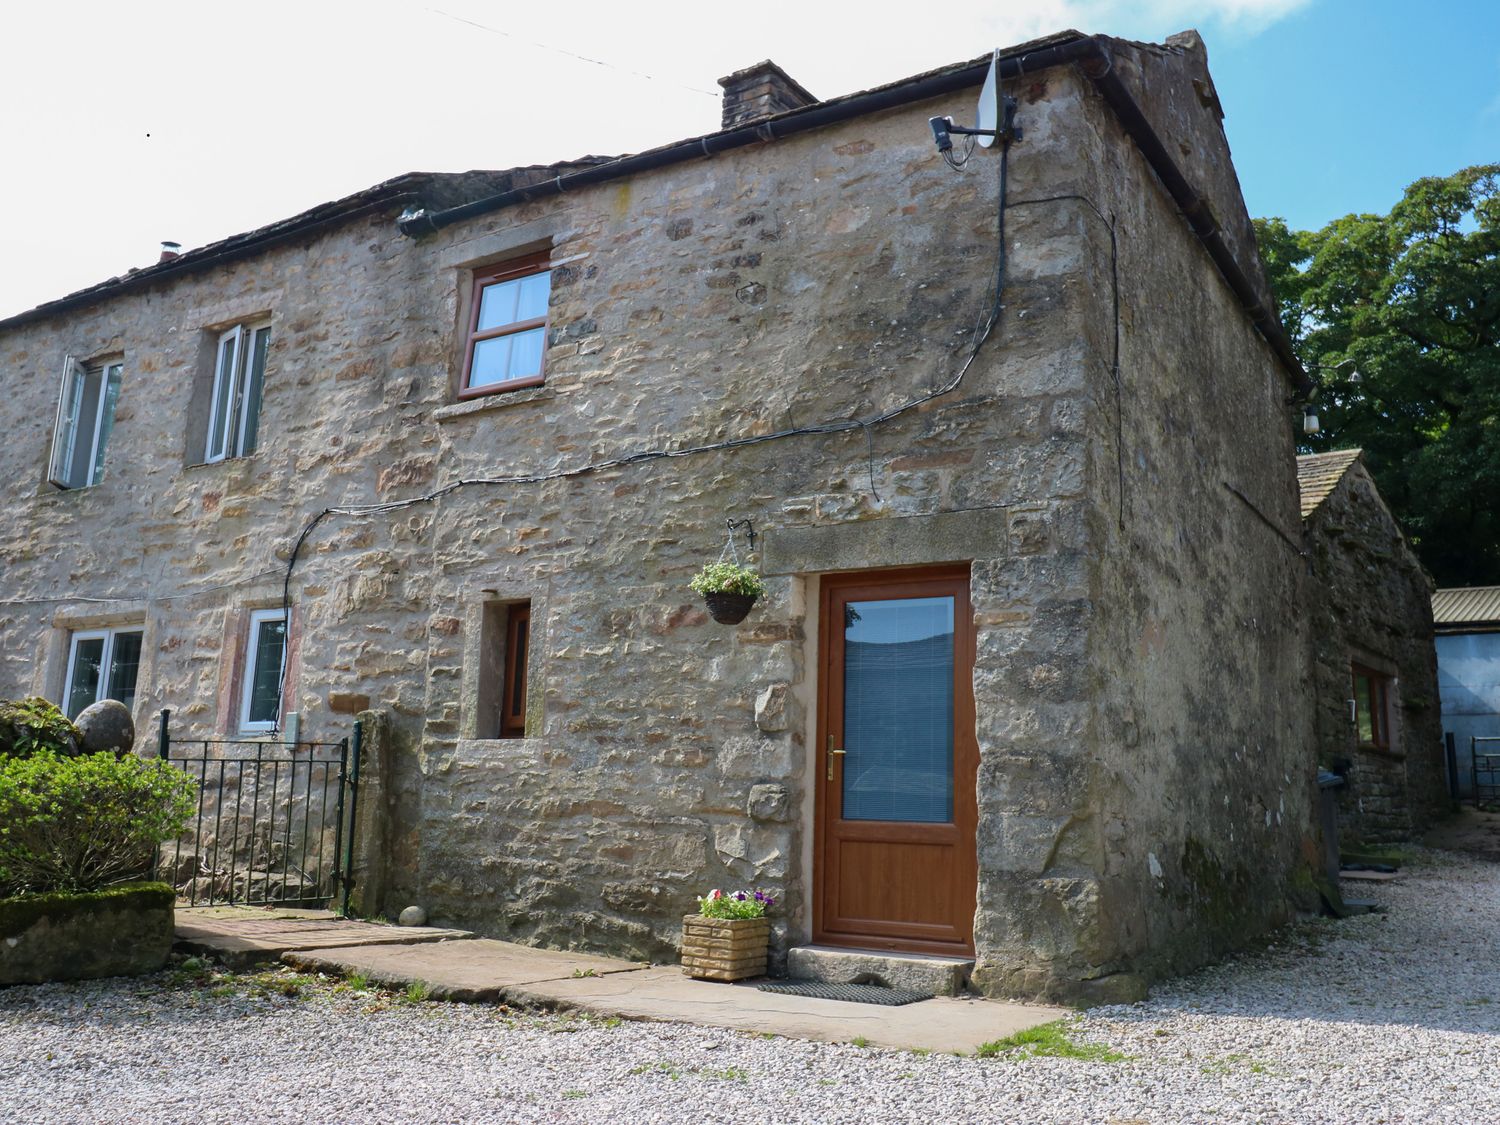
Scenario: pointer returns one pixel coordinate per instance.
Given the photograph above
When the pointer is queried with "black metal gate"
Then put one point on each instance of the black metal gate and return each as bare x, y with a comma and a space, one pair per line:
274, 823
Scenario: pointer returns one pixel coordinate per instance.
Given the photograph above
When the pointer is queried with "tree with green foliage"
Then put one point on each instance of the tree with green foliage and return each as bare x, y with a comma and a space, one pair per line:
1397, 318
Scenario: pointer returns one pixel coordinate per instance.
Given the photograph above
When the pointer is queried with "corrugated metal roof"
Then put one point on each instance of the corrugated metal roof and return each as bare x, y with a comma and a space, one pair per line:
1318, 474
1467, 605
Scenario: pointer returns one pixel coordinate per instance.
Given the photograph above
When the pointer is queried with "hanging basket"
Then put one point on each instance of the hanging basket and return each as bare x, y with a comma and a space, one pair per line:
729, 609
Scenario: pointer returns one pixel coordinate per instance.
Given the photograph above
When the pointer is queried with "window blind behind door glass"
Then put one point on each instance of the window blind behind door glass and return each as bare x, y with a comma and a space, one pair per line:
898, 710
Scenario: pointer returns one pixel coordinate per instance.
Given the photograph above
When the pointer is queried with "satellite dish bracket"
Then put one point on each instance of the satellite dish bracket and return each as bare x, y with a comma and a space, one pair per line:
943, 128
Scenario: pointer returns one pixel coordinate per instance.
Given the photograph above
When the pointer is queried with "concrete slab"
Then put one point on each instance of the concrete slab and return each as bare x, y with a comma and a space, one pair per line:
477, 969
941, 1024
241, 936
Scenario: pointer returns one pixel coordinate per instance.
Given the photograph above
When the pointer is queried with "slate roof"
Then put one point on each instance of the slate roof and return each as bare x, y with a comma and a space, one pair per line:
1318, 474
1471, 605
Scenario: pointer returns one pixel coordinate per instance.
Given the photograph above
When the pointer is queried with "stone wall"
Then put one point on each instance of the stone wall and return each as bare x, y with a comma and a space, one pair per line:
1373, 604
1142, 738
1170, 789
120, 931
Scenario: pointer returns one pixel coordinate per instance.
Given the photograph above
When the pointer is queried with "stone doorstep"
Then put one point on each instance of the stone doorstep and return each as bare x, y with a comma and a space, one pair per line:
920, 972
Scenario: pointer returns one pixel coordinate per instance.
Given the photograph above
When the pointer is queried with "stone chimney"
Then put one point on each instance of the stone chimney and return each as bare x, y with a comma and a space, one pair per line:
170, 250
760, 91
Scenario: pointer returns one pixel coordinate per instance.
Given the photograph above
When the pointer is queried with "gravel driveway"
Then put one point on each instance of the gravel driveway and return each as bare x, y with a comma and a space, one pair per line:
1384, 1018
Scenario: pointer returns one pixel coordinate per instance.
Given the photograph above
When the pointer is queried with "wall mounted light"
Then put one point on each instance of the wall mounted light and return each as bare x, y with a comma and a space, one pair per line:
1310, 423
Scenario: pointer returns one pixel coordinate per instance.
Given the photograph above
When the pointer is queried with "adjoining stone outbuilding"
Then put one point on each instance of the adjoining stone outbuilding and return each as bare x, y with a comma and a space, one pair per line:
1373, 663
1071, 540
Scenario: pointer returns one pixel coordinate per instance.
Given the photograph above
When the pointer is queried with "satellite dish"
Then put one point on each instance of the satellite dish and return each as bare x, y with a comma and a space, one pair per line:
988, 116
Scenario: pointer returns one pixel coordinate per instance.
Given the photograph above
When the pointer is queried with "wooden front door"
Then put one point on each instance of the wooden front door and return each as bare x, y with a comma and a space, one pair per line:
895, 864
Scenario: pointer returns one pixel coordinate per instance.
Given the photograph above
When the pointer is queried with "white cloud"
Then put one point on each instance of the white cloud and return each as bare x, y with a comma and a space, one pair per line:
128, 124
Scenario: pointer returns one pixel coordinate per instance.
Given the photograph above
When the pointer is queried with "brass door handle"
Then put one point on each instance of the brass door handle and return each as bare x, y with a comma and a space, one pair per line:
831, 753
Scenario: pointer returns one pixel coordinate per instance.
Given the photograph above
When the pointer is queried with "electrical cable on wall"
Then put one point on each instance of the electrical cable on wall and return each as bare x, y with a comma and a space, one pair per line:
985, 329
845, 425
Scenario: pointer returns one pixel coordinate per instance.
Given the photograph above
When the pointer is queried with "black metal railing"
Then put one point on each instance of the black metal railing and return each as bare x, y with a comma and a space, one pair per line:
273, 824
1484, 768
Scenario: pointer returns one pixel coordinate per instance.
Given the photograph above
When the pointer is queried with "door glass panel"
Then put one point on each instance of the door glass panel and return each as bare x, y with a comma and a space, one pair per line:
898, 710
83, 687
124, 668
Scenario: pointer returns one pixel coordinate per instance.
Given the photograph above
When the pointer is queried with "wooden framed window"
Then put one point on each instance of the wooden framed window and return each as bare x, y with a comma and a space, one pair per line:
507, 327
1370, 708
85, 418
102, 664
517, 654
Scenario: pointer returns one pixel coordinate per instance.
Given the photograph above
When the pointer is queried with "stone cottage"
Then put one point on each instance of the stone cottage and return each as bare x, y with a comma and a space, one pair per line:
1029, 686
1374, 667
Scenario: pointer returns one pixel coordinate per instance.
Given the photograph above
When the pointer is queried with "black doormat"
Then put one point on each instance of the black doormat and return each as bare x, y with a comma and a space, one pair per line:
854, 993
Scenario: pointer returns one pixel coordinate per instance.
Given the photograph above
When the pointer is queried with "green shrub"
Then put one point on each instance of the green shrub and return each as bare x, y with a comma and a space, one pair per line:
81, 824
31, 725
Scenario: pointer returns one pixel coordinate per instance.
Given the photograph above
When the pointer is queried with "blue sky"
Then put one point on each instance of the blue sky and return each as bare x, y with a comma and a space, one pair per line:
129, 124
1336, 107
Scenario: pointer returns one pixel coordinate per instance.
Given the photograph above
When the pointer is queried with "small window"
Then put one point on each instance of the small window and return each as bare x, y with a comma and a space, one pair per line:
513, 697
102, 664
85, 417
1370, 707
234, 409
507, 328
265, 662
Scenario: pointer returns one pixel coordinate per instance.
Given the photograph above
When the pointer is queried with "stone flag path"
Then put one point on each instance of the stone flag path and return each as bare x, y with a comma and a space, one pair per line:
455, 965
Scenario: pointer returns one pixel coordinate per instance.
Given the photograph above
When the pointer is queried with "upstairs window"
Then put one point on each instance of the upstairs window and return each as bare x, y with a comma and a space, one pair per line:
265, 663
507, 327
1371, 708
85, 417
234, 410
102, 664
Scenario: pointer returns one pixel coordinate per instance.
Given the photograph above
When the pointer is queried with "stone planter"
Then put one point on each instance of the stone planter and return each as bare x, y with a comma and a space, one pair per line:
724, 948
121, 931
729, 609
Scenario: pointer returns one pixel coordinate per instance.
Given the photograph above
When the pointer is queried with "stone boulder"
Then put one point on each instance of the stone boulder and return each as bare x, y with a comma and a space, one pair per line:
106, 726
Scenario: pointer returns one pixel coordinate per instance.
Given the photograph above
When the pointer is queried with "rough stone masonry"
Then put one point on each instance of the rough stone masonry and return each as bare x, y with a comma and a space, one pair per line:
1141, 675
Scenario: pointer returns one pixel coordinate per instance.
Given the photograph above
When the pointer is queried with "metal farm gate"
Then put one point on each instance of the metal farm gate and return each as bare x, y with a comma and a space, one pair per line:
273, 824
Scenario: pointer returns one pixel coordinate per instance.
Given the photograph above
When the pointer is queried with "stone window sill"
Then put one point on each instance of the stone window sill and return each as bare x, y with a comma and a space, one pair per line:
242, 459
491, 402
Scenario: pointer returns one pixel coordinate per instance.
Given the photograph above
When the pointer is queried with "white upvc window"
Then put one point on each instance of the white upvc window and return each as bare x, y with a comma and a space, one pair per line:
102, 664
85, 418
239, 371
265, 664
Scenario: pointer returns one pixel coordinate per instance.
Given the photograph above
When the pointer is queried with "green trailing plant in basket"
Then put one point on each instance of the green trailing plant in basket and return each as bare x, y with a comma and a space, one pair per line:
728, 578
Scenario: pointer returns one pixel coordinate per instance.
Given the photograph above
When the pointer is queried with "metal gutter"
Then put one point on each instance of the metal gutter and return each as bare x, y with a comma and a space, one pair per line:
1097, 65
